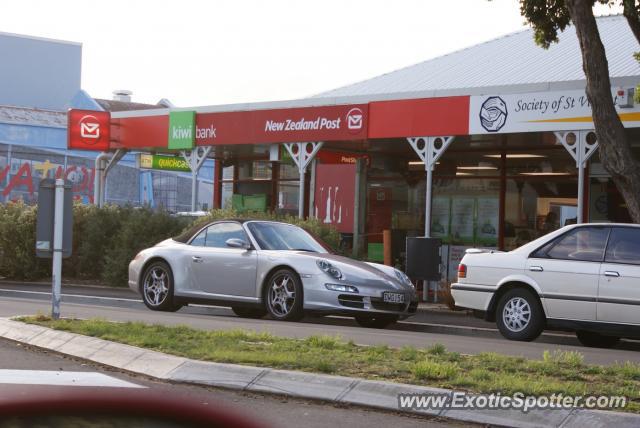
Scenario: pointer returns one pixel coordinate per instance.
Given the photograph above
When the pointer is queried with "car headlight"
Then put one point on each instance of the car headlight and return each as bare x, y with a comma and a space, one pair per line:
403, 278
342, 287
329, 269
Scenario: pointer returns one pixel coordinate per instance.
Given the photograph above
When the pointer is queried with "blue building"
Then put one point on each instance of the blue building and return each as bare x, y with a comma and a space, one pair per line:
39, 80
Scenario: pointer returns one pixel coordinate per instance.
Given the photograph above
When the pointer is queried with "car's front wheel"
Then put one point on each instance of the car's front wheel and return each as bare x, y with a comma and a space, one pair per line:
519, 315
249, 312
157, 287
283, 296
375, 321
596, 340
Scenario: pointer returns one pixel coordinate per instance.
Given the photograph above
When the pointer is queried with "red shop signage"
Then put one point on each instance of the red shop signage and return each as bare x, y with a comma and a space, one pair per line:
419, 117
331, 157
328, 123
88, 130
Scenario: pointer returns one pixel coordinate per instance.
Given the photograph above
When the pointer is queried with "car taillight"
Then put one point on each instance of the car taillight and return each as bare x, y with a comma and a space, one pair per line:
462, 271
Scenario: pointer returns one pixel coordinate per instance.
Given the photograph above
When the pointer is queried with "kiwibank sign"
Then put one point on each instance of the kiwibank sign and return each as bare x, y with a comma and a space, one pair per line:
542, 111
182, 130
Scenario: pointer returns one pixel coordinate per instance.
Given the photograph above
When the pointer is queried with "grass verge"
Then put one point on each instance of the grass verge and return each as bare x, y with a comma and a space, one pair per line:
557, 371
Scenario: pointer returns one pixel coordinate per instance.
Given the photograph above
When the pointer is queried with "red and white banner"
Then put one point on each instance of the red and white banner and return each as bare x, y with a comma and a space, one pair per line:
329, 123
88, 130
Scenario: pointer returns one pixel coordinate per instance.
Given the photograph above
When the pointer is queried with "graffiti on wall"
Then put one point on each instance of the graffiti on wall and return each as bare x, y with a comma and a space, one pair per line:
20, 179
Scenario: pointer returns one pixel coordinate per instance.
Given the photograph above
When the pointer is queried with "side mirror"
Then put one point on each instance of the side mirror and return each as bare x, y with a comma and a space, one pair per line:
237, 243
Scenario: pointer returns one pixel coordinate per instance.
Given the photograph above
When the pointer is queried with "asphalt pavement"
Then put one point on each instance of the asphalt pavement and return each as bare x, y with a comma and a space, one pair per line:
426, 329
24, 362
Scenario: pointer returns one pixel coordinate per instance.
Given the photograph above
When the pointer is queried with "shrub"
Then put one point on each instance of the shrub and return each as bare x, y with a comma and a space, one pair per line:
106, 239
18, 242
139, 229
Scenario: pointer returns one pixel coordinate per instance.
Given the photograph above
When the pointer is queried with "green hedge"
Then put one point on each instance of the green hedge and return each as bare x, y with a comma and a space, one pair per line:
106, 239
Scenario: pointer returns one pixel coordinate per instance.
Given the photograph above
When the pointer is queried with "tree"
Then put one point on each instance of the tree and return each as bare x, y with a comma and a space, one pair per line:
550, 16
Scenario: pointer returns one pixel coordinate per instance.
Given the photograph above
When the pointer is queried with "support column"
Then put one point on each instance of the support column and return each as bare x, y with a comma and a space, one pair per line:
217, 184
302, 154
195, 159
581, 145
429, 149
359, 207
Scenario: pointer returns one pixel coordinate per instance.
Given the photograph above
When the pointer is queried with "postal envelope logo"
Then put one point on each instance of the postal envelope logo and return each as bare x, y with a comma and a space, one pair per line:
355, 119
90, 128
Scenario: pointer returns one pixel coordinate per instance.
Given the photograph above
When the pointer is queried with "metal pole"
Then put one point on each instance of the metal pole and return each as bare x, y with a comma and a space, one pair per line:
57, 248
427, 207
301, 194
194, 190
580, 192
103, 184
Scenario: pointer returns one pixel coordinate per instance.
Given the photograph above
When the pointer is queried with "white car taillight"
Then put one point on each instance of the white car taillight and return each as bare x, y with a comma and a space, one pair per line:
462, 271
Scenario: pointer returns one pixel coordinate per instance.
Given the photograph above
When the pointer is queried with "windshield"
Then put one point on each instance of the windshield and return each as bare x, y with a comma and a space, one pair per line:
279, 236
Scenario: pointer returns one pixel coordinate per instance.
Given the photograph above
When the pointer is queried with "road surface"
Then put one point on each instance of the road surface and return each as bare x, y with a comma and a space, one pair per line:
458, 338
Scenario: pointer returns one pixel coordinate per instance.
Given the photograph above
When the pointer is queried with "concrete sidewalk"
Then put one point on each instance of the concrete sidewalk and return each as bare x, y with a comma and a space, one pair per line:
335, 389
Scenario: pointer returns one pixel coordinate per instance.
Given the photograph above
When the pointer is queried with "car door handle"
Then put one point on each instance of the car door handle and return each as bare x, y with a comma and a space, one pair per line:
611, 273
536, 268
196, 259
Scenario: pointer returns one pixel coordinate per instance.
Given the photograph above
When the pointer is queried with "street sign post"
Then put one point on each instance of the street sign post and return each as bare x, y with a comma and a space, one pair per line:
54, 230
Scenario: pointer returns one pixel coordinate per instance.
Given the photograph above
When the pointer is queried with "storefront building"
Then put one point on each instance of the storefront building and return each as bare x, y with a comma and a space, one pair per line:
490, 146
39, 80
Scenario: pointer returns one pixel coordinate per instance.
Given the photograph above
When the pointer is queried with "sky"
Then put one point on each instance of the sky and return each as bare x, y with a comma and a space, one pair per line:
212, 52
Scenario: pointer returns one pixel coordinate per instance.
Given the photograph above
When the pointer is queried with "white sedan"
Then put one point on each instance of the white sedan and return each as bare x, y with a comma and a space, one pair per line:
584, 278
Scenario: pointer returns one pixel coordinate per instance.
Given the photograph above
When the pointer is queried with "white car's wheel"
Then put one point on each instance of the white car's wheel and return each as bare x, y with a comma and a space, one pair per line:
519, 315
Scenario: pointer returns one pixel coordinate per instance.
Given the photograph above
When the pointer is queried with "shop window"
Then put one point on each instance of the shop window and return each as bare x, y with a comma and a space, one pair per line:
288, 171
287, 197
254, 170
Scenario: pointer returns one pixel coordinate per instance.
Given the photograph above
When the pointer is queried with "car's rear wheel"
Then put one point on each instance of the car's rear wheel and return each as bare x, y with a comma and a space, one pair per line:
283, 296
249, 312
519, 315
596, 340
376, 321
157, 287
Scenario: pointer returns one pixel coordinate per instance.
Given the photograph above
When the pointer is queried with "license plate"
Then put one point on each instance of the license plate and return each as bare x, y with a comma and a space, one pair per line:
392, 297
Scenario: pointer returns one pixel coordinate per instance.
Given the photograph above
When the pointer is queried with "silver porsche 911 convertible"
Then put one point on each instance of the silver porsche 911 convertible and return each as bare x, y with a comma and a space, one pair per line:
260, 267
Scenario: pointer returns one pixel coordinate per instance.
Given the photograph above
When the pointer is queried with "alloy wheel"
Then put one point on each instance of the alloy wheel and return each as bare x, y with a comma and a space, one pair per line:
516, 314
282, 294
156, 285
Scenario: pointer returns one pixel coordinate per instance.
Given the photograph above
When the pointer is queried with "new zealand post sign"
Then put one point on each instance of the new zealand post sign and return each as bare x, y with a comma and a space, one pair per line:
88, 130
326, 123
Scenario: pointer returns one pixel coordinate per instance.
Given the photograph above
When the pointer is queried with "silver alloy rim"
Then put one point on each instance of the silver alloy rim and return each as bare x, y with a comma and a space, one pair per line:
516, 314
282, 294
156, 286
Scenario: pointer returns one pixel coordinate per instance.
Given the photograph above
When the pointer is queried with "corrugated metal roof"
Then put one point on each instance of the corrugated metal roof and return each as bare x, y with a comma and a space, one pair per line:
513, 63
